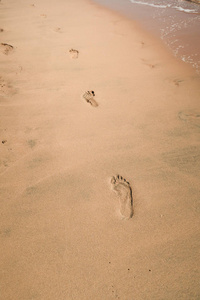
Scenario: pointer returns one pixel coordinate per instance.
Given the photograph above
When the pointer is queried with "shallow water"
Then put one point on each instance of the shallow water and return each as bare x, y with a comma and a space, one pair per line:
176, 22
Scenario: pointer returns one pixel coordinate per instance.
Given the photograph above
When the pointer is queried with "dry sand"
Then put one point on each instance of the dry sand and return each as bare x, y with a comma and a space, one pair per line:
61, 233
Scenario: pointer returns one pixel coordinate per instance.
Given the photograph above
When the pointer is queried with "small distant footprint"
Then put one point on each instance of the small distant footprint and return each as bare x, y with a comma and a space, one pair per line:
89, 97
31, 143
43, 15
5, 88
6, 48
74, 53
5, 232
142, 43
190, 116
3, 85
177, 81
57, 29
152, 66
124, 191
1, 30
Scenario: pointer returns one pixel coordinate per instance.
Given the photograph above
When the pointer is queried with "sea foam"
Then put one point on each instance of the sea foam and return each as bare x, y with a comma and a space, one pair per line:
158, 5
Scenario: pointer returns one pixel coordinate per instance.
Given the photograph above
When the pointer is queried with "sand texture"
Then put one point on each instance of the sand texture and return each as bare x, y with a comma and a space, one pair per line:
100, 158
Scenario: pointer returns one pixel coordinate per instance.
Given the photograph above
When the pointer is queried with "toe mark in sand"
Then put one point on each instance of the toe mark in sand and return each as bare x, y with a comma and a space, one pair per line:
74, 53
89, 97
122, 187
6, 48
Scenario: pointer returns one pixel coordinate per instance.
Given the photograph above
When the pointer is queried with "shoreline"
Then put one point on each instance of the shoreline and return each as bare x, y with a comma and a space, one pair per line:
87, 94
175, 24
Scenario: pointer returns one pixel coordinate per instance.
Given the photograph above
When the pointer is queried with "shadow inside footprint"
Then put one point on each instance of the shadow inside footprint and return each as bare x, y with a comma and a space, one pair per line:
124, 191
89, 97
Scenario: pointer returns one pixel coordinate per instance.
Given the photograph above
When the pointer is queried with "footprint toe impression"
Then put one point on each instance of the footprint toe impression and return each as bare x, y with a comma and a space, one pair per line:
74, 53
6, 48
89, 97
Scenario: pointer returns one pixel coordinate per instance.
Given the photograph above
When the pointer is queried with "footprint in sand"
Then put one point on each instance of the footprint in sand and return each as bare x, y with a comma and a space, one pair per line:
152, 66
190, 116
31, 143
57, 29
124, 191
177, 81
89, 97
6, 48
5, 88
74, 53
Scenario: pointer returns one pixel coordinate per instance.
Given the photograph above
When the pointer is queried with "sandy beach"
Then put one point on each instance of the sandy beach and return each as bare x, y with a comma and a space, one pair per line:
89, 137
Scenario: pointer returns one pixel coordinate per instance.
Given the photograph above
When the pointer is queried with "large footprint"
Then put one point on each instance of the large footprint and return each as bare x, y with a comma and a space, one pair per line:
124, 191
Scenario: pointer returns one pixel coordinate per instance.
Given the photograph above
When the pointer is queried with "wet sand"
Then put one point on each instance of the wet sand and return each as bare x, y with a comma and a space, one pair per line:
85, 95
175, 23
